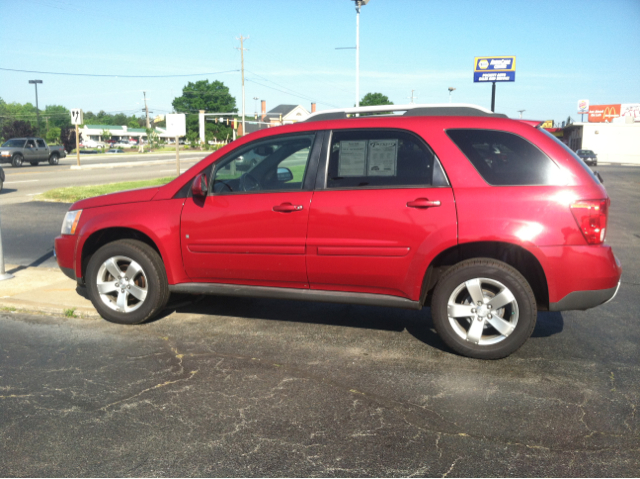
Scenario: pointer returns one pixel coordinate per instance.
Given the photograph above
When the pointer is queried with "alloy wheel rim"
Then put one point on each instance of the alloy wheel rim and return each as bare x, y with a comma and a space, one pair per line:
122, 284
482, 311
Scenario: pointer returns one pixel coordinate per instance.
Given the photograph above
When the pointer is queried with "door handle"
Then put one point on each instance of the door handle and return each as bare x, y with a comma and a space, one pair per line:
422, 203
287, 208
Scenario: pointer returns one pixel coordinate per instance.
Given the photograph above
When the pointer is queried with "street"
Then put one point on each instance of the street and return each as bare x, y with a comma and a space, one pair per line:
224, 386
21, 184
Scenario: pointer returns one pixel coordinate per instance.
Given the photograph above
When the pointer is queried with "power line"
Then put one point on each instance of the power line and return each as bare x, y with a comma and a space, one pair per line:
118, 76
292, 94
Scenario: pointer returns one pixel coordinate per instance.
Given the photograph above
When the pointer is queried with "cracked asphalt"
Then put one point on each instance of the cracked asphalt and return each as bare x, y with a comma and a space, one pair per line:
255, 387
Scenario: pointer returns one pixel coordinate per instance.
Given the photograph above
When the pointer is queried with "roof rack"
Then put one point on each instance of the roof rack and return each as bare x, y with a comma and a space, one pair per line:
437, 109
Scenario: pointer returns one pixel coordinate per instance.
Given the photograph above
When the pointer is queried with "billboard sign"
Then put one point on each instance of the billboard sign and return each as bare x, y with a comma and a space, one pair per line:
603, 113
583, 107
493, 69
630, 110
176, 124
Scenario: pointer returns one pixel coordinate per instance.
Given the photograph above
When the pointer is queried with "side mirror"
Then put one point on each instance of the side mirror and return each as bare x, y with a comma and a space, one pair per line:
284, 174
199, 186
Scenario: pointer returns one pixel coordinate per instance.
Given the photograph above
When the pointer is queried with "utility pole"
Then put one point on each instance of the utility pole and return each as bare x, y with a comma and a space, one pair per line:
35, 83
521, 112
242, 49
412, 97
146, 108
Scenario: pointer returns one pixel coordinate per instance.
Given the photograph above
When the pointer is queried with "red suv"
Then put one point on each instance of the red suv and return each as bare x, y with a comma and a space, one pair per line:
487, 220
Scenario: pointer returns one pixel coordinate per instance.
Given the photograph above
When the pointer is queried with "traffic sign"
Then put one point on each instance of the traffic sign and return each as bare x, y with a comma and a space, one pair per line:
76, 116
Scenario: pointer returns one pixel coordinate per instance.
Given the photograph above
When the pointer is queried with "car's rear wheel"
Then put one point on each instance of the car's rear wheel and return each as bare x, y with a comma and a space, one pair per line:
54, 159
483, 308
17, 160
127, 282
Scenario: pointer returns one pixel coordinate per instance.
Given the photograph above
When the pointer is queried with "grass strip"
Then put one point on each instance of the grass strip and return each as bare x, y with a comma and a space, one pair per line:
71, 194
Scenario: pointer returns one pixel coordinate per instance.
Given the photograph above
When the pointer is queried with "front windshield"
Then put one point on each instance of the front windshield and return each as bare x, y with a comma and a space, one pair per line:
14, 143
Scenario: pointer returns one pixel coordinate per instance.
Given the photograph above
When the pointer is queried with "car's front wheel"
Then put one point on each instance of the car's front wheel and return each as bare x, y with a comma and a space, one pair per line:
17, 160
483, 308
127, 282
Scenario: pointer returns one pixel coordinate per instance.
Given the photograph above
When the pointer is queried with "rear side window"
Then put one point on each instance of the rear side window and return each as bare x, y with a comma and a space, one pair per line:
41, 144
505, 159
381, 158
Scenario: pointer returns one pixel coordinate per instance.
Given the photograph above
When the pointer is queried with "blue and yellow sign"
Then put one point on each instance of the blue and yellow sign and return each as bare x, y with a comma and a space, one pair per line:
490, 69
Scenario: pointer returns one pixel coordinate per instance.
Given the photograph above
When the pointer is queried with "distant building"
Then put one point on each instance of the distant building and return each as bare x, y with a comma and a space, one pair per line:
612, 142
94, 132
280, 115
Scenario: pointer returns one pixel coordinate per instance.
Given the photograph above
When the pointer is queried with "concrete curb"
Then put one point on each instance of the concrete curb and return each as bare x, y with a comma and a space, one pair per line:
26, 306
128, 164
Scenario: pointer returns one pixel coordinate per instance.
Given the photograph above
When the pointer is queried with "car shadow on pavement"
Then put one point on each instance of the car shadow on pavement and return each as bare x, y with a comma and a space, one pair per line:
417, 323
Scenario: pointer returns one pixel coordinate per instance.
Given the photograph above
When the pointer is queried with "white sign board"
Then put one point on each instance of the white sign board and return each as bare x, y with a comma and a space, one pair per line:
583, 107
176, 124
76, 116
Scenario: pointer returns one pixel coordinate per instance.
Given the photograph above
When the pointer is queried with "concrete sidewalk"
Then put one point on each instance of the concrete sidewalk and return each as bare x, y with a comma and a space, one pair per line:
43, 290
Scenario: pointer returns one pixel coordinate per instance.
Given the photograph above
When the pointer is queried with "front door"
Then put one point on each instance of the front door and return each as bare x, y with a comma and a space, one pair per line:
385, 209
251, 228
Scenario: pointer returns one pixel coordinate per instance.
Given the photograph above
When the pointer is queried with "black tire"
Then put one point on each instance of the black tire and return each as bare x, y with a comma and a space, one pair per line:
54, 159
17, 160
34, 163
1, 184
151, 278
514, 321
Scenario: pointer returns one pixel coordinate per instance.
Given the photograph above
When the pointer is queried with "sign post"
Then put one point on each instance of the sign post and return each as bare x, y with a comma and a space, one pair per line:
77, 118
177, 127
494, 69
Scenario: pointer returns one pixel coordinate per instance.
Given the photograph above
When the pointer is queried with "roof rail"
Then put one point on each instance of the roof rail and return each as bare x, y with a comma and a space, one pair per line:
437, 109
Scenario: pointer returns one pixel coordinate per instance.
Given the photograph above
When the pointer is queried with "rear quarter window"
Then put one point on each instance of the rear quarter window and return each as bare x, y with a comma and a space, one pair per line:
505, 159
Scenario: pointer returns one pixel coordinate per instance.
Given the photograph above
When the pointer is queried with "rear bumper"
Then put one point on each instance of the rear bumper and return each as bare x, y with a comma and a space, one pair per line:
582, 300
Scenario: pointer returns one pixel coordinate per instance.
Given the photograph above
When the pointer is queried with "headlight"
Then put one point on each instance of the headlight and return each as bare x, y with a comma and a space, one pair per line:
70, 222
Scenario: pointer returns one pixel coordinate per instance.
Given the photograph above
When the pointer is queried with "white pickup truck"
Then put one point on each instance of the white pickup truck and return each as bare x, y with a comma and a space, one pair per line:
34, 150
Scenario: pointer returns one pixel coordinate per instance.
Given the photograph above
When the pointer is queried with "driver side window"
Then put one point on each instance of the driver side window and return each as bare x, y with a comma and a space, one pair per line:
275, 164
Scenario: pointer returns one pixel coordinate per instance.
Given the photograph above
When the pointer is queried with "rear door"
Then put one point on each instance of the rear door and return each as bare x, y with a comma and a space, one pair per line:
382, 210
43, 150
251, 228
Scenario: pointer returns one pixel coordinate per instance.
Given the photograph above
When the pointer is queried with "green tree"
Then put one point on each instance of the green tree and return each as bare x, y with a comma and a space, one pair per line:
53, 135
133, 123
374, 99
212, 97
58, 116
202, 95
106, 135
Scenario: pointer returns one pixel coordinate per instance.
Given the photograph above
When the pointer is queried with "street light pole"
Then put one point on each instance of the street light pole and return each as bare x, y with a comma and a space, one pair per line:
35, 82
521, 112
451, 89
359, 4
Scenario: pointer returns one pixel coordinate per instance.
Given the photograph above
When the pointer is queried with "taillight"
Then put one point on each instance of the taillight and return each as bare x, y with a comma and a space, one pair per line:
591, 216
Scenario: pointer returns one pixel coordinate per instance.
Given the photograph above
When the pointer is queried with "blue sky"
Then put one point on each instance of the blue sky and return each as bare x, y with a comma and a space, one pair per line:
566, 51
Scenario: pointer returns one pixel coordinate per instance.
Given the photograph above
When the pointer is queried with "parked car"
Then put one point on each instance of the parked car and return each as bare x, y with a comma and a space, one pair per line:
34, 150
93, 144
588, 156
485, 219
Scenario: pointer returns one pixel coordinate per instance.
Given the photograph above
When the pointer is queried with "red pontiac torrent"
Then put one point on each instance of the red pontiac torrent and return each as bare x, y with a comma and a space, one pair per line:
485, 219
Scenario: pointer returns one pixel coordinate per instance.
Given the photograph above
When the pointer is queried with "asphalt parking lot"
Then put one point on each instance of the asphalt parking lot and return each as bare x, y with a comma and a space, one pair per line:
255, 387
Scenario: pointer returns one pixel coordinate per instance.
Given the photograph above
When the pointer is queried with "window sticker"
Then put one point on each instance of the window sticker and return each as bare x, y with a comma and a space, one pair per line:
382, 158
352, 158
